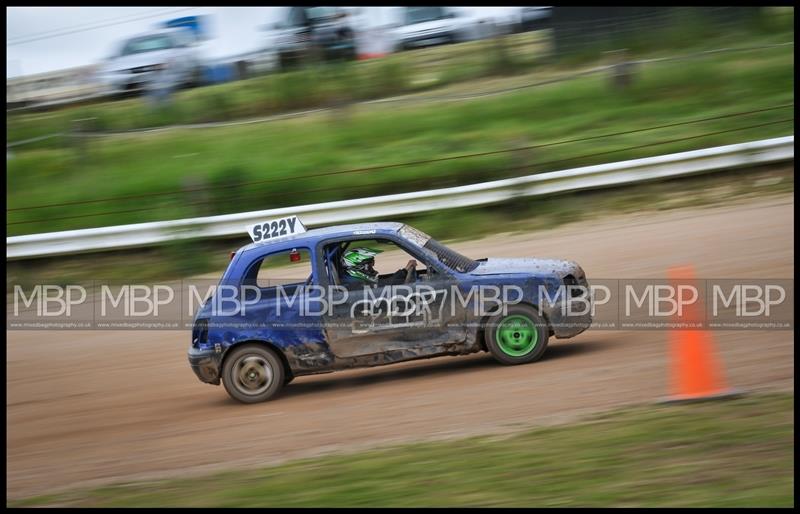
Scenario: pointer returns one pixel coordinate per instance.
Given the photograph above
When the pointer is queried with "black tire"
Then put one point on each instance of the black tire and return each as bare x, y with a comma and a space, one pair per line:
512, 340
252, 373
284, 62
197, 78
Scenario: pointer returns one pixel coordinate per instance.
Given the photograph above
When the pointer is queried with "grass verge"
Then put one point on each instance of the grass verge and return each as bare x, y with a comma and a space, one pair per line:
186, 258
732, 453
283, 163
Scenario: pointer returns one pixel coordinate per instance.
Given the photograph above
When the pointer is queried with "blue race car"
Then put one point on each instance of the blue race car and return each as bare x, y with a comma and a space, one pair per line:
258, 331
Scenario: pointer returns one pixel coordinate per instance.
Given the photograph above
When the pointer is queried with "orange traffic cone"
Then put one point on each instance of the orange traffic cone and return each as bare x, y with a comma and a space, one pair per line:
696, 372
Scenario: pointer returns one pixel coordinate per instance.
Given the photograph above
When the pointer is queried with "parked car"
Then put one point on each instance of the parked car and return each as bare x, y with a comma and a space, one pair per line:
160, 54
344, 310
427, 26
304, 30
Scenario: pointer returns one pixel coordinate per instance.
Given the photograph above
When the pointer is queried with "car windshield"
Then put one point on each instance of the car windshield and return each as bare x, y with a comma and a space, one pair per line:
447, 256
320, 13
146, 44
423, 14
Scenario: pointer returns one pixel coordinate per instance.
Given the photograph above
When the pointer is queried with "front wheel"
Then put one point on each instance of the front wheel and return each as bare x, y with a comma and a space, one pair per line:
252, 374
196, 77
284, 62
518, 337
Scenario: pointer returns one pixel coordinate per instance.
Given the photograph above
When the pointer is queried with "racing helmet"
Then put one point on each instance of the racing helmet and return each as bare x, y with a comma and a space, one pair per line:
359, 262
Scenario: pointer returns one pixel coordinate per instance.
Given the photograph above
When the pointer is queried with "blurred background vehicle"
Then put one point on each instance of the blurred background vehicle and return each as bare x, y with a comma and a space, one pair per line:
534, 18
305, 32
427, 26
135, 64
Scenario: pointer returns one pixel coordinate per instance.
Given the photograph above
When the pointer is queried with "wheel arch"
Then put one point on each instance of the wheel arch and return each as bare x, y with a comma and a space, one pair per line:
266, 344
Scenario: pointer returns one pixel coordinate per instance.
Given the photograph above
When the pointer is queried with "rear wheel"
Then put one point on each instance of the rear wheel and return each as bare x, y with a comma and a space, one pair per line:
252, 373
518, 337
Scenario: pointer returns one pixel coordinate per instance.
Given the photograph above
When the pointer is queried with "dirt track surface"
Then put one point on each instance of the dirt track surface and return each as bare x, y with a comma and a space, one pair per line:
86, 408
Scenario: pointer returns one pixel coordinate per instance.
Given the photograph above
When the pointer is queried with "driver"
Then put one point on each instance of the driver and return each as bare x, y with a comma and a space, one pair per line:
359, 268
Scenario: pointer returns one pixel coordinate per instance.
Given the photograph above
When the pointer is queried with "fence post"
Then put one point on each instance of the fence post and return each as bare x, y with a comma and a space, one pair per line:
622, 70
195, 190
499, 60
79, 140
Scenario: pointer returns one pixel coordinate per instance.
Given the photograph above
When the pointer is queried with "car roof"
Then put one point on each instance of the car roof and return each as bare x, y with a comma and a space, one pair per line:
314, 235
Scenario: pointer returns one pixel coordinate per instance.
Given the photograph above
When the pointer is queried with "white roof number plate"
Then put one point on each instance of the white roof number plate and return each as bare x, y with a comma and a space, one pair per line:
275, 229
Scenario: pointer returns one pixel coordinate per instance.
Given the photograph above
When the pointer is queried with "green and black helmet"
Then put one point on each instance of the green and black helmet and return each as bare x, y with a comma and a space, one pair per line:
359, 262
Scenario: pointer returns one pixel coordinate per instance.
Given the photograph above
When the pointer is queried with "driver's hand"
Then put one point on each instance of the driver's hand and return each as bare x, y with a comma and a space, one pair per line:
411, 264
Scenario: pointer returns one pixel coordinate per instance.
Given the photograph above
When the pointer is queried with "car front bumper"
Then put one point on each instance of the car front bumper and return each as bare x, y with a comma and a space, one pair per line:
570, 318
126, 82
430, 39
206, 364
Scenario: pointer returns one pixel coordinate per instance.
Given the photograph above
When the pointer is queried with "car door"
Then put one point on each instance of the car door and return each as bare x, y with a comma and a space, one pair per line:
274, 302
372, 320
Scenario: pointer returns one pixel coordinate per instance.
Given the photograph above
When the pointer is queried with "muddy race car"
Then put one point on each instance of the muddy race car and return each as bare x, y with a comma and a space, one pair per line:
346, 307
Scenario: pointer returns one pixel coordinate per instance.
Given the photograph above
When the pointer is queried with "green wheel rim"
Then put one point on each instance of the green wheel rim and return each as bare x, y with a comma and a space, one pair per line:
517, 335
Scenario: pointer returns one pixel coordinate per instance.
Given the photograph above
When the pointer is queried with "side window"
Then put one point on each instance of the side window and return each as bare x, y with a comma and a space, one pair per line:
288, 267
388, 260
297, 17
181, 39
394, 257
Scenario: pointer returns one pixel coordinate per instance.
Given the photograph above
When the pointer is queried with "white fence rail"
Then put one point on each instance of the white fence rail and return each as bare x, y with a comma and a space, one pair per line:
513, 189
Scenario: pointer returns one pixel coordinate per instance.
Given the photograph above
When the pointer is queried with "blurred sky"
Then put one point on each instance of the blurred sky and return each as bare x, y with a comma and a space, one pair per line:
234, 29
